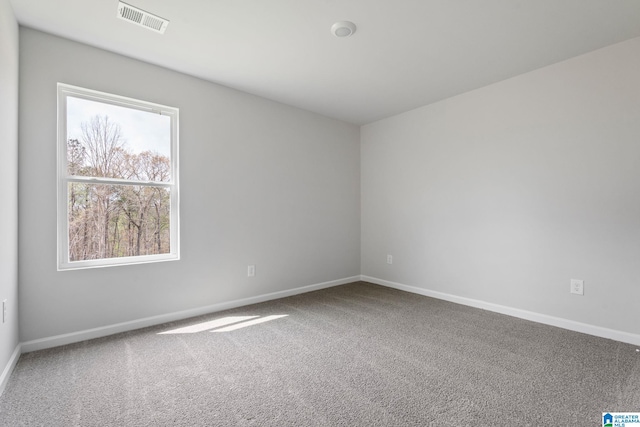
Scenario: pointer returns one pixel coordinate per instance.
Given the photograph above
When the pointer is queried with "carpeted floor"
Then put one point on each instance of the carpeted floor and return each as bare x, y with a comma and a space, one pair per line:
353, 355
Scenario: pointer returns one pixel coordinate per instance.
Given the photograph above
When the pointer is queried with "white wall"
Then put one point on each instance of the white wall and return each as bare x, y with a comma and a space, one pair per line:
261, 183
505, 193
9, 179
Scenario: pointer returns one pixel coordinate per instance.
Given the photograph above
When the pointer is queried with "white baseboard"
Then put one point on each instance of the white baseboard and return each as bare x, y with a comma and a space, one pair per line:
6, 373
74, 337
571, 325
102, 331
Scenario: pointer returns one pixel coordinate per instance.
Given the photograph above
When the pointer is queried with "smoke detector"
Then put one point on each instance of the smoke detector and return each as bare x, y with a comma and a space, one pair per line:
343, 28
142, 18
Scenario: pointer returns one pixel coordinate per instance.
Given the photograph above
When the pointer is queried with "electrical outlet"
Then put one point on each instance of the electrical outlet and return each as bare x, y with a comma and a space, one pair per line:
251, 270
389, 259
577, 287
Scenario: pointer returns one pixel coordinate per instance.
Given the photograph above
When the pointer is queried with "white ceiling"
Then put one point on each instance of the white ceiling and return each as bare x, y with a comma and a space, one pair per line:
404, 54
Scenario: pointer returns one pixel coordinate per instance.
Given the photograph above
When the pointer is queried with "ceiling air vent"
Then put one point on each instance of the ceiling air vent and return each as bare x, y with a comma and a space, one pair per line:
142, 18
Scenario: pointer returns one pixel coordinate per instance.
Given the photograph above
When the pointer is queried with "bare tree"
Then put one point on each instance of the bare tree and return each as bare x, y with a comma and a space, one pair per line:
104, 145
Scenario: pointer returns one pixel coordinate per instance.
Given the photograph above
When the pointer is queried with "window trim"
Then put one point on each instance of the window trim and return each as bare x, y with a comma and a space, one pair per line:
63, 262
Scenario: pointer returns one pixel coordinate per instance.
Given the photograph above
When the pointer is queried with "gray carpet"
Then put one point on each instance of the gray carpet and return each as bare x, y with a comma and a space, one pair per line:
353, 355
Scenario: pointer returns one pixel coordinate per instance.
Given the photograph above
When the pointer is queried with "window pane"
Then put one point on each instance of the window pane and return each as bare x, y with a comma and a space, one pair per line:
112, 221
110, 141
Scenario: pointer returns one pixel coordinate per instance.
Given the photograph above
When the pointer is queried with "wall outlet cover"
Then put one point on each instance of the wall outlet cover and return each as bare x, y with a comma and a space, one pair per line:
577, 287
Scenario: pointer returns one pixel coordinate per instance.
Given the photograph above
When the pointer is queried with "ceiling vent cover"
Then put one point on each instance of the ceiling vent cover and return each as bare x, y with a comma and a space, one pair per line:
142, 18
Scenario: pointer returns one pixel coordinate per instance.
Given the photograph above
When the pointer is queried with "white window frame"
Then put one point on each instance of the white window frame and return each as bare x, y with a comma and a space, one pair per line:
64, 91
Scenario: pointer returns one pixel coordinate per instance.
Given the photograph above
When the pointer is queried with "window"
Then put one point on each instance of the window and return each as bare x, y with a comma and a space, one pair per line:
117, 180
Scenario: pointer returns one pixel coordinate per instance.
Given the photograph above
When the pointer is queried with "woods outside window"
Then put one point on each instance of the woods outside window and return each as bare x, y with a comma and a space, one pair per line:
117, 180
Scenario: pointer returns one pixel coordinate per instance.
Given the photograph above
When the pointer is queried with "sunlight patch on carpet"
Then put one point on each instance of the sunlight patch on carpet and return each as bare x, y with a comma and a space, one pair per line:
250, 323
206, 326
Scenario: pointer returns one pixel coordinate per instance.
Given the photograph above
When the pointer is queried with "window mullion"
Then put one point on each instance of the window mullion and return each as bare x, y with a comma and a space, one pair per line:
116, 181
